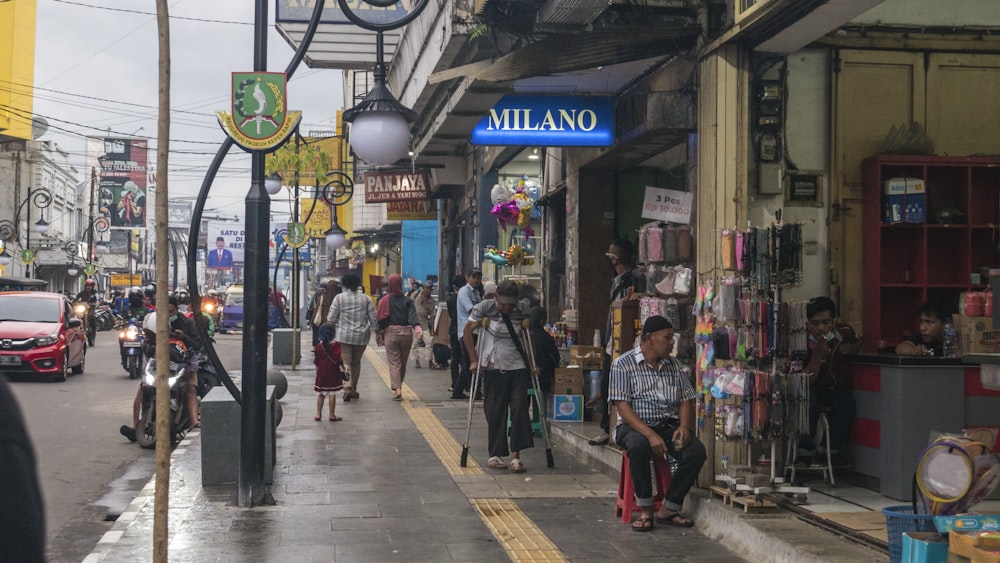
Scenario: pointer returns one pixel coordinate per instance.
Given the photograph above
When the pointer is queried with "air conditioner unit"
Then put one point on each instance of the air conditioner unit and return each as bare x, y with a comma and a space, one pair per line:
571, 12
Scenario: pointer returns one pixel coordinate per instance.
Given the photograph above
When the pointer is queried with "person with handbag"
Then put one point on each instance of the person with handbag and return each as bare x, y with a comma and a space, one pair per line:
505, 375
397, 323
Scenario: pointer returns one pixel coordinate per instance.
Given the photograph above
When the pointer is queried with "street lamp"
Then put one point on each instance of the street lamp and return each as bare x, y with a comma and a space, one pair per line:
336, 192
9, 230
380, 125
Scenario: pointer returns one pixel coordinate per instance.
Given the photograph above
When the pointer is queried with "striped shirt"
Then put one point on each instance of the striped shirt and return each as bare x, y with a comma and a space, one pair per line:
354, 315
654, 394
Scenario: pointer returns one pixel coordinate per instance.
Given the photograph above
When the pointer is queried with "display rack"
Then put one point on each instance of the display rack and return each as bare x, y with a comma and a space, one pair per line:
908, 263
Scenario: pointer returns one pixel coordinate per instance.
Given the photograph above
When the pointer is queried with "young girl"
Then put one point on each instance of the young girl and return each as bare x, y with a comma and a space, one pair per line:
329, 372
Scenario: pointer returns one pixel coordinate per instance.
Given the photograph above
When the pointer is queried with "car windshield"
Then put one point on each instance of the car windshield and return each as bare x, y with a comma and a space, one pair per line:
25, 308
234, 299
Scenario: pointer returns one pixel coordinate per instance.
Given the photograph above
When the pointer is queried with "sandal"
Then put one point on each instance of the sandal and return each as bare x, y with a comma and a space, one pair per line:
334, 418
496, 462
642, 524
675, 519
317, 418
517, 466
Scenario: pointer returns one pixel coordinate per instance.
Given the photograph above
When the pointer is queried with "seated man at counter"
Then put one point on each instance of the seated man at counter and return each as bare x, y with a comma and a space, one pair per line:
930, 340
829, 388
656, 416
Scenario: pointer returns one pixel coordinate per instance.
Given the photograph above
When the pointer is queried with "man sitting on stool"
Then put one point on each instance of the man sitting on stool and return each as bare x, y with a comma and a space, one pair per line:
656, 416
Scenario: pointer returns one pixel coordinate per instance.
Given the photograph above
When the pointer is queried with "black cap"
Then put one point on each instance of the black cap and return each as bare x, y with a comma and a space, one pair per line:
476, 272
655, 323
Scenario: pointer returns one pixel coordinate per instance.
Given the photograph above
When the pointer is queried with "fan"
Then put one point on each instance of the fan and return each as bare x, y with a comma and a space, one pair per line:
944, 472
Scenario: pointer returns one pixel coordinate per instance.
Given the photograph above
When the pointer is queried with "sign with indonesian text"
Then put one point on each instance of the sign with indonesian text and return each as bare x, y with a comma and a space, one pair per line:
383, 187
412, 210
671, 206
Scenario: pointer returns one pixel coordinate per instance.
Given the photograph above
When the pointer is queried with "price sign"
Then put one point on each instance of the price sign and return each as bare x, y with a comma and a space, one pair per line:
670, 206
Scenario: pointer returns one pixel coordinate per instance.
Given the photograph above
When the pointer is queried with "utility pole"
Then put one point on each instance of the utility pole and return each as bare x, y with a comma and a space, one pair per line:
90, 231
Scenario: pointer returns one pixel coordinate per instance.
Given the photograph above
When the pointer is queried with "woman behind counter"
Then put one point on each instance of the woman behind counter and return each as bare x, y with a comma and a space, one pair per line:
930, 340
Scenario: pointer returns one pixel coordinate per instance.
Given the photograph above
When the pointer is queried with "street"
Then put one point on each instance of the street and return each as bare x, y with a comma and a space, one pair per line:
88, 471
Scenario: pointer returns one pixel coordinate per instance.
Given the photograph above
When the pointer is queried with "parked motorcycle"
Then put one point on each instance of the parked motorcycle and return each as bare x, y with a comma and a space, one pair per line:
130, 340
180, 419
104, 317
85, 314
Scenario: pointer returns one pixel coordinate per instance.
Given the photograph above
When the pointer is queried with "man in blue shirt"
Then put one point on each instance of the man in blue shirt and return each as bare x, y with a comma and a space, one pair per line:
468, 296
656, 416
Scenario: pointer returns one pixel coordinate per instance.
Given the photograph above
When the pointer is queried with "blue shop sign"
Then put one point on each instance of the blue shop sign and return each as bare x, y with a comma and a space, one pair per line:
548, 121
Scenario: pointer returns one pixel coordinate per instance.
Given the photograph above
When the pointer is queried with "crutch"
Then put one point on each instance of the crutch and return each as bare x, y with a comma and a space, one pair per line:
473, 388
529, 348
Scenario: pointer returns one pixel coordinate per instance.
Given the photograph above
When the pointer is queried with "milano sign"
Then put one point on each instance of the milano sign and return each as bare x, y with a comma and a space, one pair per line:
548, 121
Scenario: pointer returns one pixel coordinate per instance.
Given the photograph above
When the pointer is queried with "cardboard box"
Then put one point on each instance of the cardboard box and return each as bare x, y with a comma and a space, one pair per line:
893, 200
976, 335
587, 357
568, 381
924, 547
915, 209
565, 408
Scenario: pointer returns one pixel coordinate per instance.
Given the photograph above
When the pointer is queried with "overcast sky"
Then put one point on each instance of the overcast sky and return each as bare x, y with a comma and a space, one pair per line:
96, 68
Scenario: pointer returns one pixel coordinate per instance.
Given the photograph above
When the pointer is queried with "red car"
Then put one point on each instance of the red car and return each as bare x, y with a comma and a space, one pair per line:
40, 335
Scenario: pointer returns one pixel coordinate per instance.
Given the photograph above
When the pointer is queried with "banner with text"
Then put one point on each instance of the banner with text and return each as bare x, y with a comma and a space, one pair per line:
403, 185
671, 206
225, 245
122, 182
412, 210
318, 212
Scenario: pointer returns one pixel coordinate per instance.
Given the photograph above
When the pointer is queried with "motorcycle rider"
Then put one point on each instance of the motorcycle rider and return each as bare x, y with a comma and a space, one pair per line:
89, 296
136, 308
184, 329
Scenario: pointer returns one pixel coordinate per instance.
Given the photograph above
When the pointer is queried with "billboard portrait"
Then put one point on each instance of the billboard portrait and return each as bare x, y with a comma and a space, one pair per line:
122, 163
224, 245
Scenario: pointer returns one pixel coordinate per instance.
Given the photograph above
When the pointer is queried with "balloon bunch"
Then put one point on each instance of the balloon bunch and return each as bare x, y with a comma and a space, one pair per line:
515, 254
493, 254
515, 208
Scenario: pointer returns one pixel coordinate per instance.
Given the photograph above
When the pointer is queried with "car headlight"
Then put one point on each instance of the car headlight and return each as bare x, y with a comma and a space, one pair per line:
47, 340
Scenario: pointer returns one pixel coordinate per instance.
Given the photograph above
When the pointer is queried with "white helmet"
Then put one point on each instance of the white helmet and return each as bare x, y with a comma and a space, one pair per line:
149, 322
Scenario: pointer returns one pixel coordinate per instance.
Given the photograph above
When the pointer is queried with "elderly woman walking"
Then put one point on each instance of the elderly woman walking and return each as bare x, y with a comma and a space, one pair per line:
397, 322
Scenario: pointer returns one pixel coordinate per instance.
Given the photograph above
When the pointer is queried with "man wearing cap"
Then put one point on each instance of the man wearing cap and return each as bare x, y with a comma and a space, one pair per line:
468, 296
506, 378
656, 417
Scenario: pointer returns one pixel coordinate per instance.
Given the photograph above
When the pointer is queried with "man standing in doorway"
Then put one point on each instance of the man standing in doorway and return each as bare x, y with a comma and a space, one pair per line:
468, 296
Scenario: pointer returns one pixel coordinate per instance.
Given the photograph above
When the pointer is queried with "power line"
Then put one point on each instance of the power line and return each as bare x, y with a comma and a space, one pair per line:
151, 13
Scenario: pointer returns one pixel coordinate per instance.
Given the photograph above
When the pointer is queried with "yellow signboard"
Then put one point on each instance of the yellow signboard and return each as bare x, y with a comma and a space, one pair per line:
122, 280
425, 210
319, 222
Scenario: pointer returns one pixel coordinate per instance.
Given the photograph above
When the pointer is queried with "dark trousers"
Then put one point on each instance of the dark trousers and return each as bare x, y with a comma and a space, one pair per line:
690, 459
605, 383
507, 390
457, 351
840, 404
463, 381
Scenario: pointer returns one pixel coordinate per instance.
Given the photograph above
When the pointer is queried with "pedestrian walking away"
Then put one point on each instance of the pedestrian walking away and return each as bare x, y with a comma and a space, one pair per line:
397, 324
329, 372
353, 315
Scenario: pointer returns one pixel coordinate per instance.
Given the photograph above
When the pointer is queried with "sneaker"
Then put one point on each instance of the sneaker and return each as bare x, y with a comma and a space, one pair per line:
601, 440
128, 432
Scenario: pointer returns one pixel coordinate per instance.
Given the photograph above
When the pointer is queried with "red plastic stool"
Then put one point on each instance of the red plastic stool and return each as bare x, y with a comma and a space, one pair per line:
626, 489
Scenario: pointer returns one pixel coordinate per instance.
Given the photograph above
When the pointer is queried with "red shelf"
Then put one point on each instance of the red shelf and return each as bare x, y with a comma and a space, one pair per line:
936, 259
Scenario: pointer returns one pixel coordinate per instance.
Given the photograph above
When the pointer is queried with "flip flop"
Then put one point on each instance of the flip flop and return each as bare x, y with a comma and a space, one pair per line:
517, 466
642, 524
335, 418
496, 462
671, 520
317, 418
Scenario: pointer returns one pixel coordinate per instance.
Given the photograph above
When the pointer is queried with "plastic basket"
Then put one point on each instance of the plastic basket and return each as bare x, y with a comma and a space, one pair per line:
900, 519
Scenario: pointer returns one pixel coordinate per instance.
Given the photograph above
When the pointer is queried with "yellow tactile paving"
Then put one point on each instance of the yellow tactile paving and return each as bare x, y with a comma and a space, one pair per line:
519, 536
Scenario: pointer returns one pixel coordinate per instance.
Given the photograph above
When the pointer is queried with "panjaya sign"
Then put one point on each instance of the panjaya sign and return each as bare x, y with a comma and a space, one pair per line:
548, 121
383, 187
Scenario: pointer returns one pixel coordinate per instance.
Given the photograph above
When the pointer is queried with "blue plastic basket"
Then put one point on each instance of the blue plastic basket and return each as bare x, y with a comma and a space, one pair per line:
900, 519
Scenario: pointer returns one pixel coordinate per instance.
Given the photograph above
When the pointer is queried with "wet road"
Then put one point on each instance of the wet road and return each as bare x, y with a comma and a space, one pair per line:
88, 471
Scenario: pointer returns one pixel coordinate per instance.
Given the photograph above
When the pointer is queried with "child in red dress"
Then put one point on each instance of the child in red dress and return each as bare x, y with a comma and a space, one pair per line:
329, 372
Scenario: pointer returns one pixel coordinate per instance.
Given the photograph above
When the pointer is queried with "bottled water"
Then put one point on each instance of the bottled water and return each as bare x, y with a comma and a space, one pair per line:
950, 349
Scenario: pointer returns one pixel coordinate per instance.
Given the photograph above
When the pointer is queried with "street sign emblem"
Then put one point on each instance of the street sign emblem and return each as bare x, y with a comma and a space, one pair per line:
260, 119
27, 256
90, 269
296, 237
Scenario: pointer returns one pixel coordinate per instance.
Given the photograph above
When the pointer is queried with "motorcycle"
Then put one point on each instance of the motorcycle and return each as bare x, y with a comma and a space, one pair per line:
130, 340
180, 419
85, 314
211, 308
105, 317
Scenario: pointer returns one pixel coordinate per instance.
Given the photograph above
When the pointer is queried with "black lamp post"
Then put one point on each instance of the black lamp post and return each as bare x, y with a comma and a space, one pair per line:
380, 125
9, 230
